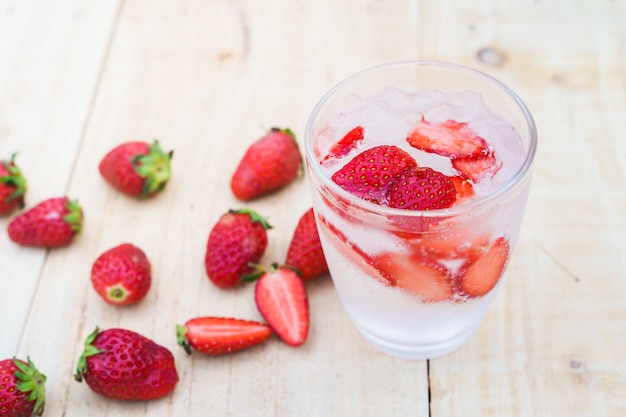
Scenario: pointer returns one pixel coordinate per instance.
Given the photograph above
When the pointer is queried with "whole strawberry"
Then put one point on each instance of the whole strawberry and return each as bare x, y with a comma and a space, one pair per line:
282, 299
238, 239
221, 335
305, 250
22, 389
12, 186
124, 365
122, 275
137, 169
270, 163
52, 223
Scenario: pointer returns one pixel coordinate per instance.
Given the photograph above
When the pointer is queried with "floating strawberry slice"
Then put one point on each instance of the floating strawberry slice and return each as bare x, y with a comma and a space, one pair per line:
478, 276
418, 276
450, 138
356, 255
369, 174
464, 189
346, 144
450, 244
476, 167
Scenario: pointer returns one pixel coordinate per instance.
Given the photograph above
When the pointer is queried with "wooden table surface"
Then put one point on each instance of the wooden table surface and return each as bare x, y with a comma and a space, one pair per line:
207, 78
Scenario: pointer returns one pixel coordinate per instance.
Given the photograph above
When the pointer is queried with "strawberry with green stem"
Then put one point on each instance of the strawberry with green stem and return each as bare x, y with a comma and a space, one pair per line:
123, 365
238, 239
52, 223
13, 186
137, 169
282, 299
221, 335
22, 389
270, 163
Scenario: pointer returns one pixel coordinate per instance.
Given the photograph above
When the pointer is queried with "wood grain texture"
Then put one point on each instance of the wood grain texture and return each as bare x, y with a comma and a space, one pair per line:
207, 78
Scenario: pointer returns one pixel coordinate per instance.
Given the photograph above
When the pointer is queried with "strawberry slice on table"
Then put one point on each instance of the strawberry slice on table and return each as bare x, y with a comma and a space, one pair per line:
369, 174
282, 300
270, 163
305, 249
51, 223
478, 276
450, 138
416, 275
13, 186
346, 144
221, 335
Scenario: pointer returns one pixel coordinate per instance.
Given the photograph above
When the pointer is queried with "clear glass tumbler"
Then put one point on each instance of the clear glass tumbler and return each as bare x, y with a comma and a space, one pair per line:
417, 283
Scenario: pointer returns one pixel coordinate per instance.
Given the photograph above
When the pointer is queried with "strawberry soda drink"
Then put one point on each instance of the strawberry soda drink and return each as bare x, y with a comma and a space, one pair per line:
419, 174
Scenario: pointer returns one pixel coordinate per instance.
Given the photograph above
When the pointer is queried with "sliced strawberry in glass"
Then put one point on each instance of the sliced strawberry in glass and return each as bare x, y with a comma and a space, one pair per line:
450, 138
416, 275
346, 144
479, 275
475, 168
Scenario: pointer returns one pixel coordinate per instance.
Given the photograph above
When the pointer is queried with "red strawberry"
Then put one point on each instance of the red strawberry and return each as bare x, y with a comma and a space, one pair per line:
52, 223
122, 275
220, 335
12, 186
270, 163
124, 365
22, 389
282, 299
418, 276
305, 250
346, 144
350, 250
464, 189
420, 188
475, 168
447, 244
137, 168
238, 239
450, 138
369, 174
479, 275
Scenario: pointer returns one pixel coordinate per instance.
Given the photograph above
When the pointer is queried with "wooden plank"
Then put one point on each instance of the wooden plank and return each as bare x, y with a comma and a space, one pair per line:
552, 344
50, 59
207, 79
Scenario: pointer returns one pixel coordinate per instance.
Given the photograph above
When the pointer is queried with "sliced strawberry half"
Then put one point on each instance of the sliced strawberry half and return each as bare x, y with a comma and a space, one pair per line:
464, 189
478, 276
282, 300
369, 174
346, 144
450, 138
416, 275
348, 249
449, 244
476, 167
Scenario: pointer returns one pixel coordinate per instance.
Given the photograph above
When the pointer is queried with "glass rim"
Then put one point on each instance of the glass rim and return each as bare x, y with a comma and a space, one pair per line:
313, 163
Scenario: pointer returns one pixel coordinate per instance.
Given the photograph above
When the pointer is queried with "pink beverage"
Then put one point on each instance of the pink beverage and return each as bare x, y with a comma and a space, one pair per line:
419, 174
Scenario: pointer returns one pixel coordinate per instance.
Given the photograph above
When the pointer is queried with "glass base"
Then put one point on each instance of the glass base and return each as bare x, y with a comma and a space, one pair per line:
422, 352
